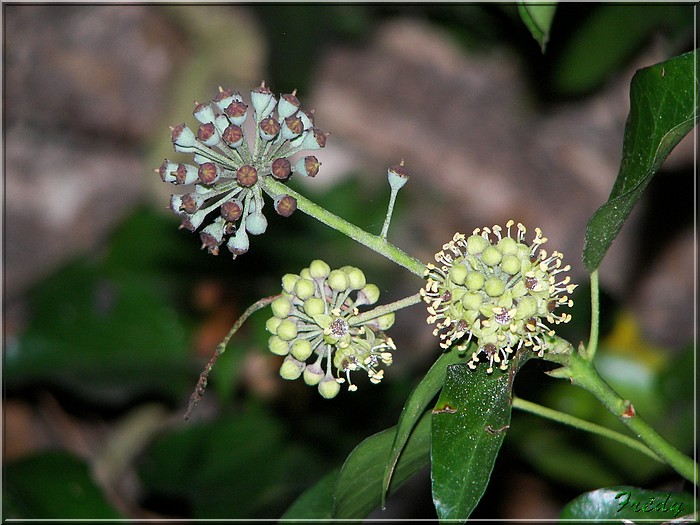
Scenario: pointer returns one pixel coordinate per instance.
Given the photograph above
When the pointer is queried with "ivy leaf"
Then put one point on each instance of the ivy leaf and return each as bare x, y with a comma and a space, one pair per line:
629, 503
663, 109
470, 421
537, 17
416, 404
359, 487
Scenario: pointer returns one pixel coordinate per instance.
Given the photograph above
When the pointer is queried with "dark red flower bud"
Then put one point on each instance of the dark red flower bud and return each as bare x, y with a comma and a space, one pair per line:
247, 176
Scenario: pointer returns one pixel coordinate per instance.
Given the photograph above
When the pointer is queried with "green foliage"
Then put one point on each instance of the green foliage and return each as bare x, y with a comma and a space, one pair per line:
53, 485
469, 424
663, 110
630, 503
537, 17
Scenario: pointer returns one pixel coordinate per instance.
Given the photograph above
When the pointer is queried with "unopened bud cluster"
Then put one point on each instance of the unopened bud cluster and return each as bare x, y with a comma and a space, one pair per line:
315, 325
229, 177
497, 289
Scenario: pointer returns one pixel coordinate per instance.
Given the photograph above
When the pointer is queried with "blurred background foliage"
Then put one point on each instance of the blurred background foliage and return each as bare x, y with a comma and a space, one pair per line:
114, 340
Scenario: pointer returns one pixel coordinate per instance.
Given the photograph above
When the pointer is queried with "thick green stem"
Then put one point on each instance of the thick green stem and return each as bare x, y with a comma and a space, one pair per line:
573, 421
385, 309
376, 243
595, 317
580, 371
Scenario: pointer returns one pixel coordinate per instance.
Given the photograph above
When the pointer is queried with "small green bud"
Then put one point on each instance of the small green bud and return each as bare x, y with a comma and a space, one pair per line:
472, 301
314, 306
510, 263
313, 374
304, 289
272, 323
277, 346
288, 282
287, 330
527, 307
319, 269
476, 244
338, 281
474, 281
386, 321
281, 307
291, 368
368, 295
491, 256
508, 246
494, 286
305, 274
356, 277
458, 274
329, 388
301, 349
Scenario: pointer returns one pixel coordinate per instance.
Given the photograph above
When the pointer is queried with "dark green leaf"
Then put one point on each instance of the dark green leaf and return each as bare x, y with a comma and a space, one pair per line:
359, 487
538, 19
603, 42
239, 467
629, 503
415, 406
53, 485
470, 422
316, 502
662, 111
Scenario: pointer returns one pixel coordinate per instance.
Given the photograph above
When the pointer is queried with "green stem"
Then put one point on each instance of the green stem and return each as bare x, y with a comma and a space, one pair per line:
595, 317
385, 309
275, 188
581, 372
581, 424
389, 213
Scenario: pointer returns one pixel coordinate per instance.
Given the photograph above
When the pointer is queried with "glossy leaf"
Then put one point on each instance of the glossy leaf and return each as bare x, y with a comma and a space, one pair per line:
415, 406
470, 421
662, 111
359, 487
53, 485
629, 503
315, 503
537, 17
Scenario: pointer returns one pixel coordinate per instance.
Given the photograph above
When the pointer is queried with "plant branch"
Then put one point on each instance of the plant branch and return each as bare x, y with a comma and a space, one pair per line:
220, 349
581, 424
581, 372
385, 309
376, 243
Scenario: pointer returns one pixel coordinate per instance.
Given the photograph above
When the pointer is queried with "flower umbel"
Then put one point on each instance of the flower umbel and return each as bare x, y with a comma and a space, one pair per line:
227, 176
315, 326
497, 289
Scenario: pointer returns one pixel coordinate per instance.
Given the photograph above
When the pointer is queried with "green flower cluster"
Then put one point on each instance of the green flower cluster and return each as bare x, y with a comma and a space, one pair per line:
316, 326
498, 290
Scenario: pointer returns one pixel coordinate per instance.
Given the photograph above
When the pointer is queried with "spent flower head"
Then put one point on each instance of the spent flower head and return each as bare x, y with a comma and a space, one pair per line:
315, 325
497, 289
228, 176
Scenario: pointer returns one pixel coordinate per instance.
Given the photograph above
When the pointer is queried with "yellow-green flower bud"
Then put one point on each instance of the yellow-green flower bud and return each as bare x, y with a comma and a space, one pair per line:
508, 246
304, 289
510, 264
338, 281
474, 281
291, 368
476, 244
272, 323
491, 256
319, 269
368, 295
278, 346
328, 387
458, 274
281, 307
494, 286
386, 321
301, 349
288, 282
314, 306
313, 374
287, 330
356, 278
